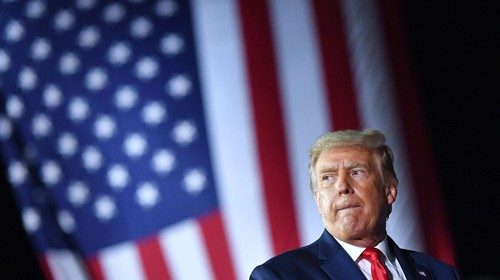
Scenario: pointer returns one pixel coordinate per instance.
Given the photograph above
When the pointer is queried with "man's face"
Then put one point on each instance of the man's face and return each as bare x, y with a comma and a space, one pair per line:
351, 196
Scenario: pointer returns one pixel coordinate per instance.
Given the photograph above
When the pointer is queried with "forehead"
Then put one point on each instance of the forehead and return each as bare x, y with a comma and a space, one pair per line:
345, 155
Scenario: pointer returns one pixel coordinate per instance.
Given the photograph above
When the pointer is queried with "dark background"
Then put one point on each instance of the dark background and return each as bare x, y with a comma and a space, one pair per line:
455, 59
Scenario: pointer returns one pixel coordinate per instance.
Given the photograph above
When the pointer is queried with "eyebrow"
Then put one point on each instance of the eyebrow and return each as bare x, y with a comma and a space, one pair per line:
331, 167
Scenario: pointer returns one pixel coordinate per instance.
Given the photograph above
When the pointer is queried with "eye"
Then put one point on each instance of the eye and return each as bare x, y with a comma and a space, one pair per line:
328, 180
358, 173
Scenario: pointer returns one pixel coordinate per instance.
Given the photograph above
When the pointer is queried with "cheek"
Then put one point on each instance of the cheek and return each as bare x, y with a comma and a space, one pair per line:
373, 200
323, 202
320, 201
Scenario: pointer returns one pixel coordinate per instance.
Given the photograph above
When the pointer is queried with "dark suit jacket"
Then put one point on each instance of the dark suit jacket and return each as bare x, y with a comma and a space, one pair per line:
326, 259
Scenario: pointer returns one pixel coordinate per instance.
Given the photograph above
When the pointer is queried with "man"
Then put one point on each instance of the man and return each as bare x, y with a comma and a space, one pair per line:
354, 185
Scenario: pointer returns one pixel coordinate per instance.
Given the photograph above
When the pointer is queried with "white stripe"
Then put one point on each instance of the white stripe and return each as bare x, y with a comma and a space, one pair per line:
303, 96
121, 261
183, 246
378, 110
65, 265
230, 131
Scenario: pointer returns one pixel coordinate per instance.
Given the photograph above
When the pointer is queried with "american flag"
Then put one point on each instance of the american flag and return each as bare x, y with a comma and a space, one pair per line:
168, 139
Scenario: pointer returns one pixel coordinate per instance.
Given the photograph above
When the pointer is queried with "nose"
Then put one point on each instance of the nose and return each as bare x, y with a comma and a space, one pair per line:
342, 184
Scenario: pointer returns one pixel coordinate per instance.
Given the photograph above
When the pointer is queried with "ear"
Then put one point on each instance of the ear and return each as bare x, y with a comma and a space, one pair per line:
391, 190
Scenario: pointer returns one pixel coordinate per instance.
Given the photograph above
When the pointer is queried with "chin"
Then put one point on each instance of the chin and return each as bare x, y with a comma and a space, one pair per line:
347, 232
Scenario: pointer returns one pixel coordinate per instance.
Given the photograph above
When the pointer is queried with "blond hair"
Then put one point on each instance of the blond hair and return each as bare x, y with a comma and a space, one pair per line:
371, 139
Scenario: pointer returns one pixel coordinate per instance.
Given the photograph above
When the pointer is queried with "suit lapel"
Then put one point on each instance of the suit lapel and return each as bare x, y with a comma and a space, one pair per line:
342, 267
336, 263
411, 270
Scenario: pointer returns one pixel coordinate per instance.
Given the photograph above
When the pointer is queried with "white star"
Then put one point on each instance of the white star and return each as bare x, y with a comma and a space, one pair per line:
147, 195
15, 107
66, 221
113, 13
171, 44
125, 97
27, 79
14, 31
41, 125
178, 86
69, 63
77, 193
194, 181
154, 113
96, 79
104, 127
31, 220
67, 144
85, 4
40, 49
184, 132
146, 68
4, 61
163, 161
91, 158
51, 173
118, 176
165, 8
78, 109
52, 96
135, 145
89, 37
35, 9
5, 128
104, 208
17, 173
141, 27
64, 20
119, 53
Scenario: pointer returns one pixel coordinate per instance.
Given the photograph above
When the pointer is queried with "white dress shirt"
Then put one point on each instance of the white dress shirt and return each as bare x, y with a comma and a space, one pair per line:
392, 264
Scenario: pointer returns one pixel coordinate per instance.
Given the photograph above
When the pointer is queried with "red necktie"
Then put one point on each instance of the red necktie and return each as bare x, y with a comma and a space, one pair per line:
379, 272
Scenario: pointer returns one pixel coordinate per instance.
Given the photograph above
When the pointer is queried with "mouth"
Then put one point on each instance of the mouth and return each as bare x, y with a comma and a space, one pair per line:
347, 206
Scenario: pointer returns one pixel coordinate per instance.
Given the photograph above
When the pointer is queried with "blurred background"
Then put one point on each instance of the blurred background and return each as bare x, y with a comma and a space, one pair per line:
455, 58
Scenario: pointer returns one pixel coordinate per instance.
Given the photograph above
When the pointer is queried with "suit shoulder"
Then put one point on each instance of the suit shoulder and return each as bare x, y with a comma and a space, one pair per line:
294, 264
437, 266
424, 258
298, 255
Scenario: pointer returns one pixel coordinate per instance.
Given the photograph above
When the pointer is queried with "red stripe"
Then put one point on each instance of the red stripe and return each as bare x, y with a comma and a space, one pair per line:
335, 59
434, 221
217, 246
267, 114
95, 267
44, 264
152, 258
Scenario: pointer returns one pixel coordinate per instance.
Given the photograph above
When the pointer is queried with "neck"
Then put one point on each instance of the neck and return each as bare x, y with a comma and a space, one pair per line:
365, 241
